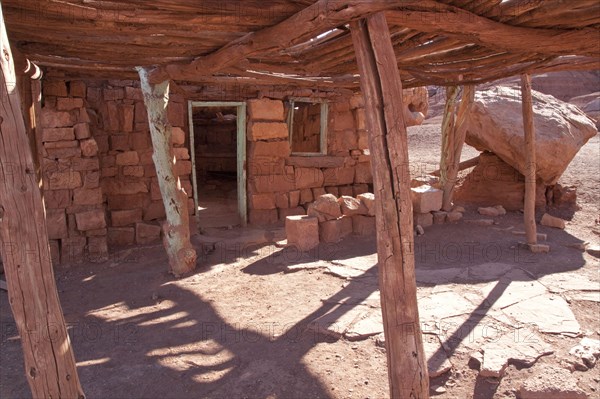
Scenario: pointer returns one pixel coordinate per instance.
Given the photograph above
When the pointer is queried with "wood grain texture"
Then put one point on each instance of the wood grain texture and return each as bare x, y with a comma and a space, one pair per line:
49, 362
382, 91
176, 229
530, 175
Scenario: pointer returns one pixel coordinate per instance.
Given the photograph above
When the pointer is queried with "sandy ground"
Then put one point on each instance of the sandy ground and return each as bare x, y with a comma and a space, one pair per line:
243, 325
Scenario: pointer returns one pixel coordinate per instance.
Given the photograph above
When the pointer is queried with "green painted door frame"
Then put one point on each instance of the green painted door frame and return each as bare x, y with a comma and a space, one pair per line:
241, 153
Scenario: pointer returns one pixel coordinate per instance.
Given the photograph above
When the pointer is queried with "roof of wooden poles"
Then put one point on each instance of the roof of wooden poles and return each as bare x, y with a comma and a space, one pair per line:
304, 43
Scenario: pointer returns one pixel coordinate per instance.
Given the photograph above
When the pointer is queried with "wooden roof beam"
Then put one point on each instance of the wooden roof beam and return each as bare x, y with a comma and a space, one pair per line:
455, 22
317, 18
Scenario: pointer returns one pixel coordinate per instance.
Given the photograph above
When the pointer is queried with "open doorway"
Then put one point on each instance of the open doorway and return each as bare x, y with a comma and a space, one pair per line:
218, 151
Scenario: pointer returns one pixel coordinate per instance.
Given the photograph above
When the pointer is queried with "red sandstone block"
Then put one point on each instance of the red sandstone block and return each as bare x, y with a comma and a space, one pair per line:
302, 232
91, 179
363, 173
72, 249
273, 183
54, 88
90, 220
97, 249
338, 176
68, 103
265, 109
126, 114
282, 200
141, 115
77, 88
62, 144
154, 211
83, 196
58, 134
147, 233
183, 168
262, 201
260, 217
128, 158
135, 171
294, 198
140, 141
113, 94
56, 224
335, 230
119, 142
177, 136
119, 186
82, 130
267, 131
125, 217
63, 180
363, 225
176, 114
306, 196
118, 236
51, 118
57, 199
308, 177
89, 147
128, 201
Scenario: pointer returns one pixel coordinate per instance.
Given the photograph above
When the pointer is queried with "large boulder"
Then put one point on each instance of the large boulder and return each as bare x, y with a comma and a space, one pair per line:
495, 124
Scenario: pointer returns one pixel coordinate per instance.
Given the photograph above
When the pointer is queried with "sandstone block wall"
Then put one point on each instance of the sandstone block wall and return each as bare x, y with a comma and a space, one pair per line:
100, 186
281, 184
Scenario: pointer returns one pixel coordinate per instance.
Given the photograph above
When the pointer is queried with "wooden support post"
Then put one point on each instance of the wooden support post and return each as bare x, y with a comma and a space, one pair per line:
454, 130
176, 229
49, 362
382, 91
530, 173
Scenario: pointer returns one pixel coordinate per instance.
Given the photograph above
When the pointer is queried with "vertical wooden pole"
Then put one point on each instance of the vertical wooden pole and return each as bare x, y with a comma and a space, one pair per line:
176, 229
530, 173
382, 91
454, 130
49, 362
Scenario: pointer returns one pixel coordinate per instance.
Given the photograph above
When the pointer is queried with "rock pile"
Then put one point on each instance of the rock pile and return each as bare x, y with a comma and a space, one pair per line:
427, 206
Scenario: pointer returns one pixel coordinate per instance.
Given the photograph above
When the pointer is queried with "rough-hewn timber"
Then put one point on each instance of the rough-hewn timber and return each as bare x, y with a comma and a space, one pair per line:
49, 361
382, 91
176, 229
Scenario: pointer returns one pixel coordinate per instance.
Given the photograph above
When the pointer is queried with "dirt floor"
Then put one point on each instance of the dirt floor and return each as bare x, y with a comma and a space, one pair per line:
253, 321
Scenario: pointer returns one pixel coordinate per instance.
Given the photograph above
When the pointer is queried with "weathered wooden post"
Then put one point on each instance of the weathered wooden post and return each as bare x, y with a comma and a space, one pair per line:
454, 130
49, 362
176, 229
530, 172
382, 91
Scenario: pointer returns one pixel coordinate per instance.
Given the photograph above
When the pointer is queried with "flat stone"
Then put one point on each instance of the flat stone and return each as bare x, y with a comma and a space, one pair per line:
590, 296
338, 320
539, 248
588, 350
454, 216
523, 349
570, 281
593, 250
552, 221
490, 211
438, 276
488, 271
343, 271
551, 382
437, 358
516, 286
550, 313
368, 324
444, 304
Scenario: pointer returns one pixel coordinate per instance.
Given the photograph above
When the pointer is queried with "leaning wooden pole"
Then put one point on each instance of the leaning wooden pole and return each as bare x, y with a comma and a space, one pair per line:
176, 229
382, 91
454, 130
49, 362
530, 172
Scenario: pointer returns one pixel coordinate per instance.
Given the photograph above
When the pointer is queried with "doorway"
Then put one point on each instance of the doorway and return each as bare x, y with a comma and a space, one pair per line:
218, 153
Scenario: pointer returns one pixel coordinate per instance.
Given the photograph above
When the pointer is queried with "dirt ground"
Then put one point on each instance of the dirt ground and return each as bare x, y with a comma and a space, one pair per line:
243, 325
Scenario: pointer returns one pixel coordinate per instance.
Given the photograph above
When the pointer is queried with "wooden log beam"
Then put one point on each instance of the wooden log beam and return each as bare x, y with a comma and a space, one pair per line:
469, 163
176, 229
530, 173
455, 22
49, 361
454, 129
382, 91
302, 26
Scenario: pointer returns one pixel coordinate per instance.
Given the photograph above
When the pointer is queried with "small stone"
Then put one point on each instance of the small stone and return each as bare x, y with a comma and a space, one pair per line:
326, 207
352, 206
551, 382
489, 211
454, 216
439, 217
594, 251
539, 248
458, 209
552, 221
423, 219
368, 200
420, 230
